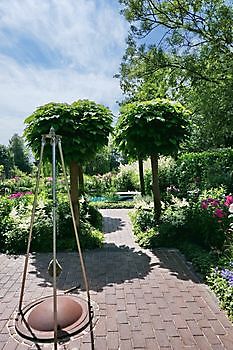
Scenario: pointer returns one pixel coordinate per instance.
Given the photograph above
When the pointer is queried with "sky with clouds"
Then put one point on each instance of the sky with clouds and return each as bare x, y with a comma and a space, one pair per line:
57, 50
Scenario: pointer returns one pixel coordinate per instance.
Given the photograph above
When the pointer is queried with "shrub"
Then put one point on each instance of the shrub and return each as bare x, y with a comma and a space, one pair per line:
142, 220
100, 184
205, 222
90, 227
166, 176
17, 184
208, 220
144, 227
147, 239
173, 225
204, 170
91, 214
16, 214
90, 237
202, 259
221, 282
126, 180
6, 221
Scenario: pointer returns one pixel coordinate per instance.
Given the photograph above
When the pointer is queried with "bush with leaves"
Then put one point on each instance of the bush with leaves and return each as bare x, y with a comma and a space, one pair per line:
126, 180
203, 220
220, 281
166, 177
204, 170
17, 184
100, 185
14, 227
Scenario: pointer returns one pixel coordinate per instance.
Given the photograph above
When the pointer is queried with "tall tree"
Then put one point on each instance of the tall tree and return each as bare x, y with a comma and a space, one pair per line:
191, 61
149, 129
20, 154
84, 126
6, 160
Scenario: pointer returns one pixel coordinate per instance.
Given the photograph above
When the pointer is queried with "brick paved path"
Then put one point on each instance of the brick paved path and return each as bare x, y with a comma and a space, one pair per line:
146, 300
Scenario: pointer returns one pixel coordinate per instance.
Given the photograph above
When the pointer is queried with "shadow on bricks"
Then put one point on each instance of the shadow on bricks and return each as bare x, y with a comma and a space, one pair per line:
113, 224
172, 263
105, 267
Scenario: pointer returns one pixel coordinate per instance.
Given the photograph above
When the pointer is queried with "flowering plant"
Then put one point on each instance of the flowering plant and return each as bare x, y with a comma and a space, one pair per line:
221, 281
208, 219
220, 209
19, 194
227, 275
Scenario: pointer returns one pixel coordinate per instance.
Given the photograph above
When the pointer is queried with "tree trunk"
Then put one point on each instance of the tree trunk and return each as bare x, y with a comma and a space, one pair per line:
81, 181
141, 176
74, 191
155, 186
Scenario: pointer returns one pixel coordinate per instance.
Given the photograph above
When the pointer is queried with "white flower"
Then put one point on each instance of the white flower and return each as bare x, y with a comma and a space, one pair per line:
231, 208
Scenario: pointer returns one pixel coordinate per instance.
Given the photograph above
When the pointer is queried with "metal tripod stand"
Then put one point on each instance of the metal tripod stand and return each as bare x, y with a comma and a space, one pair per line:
55, 140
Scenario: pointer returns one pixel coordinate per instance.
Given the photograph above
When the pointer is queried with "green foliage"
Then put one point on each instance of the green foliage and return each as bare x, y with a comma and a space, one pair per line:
204, 170
107, 184
90, 226
144, 227
147, 239
167, 167
105, 161
83, 125
6, 160
126, 180
202, 260
90, 237
91, 214
15, 212
194, 172
100, 184
205, 222
191, 63
219, 282
173, 225
16, 184
151, 127
20, 154
6, 222
142, 220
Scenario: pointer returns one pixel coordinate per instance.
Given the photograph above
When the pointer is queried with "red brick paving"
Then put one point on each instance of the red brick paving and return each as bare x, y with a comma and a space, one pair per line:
147, 300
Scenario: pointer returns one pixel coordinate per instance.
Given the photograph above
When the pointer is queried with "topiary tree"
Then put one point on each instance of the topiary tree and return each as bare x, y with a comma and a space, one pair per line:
84, 126
148, 129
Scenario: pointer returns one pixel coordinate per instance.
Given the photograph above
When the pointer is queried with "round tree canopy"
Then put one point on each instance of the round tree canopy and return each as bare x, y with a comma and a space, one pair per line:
84, 126
151, 127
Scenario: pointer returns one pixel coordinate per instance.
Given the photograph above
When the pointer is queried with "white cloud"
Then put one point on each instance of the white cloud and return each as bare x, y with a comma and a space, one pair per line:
57, 51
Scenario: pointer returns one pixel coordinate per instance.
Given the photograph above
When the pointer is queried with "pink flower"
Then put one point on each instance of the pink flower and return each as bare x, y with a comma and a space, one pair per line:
228, 201
231, 208
204, 204
18, 194
215, 203
210, 200
219, 213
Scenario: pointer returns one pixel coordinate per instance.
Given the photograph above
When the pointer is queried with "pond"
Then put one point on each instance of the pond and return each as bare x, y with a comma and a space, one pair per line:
120, 196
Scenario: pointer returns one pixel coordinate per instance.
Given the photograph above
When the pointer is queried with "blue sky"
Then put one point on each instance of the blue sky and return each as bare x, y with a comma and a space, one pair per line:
57, 51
